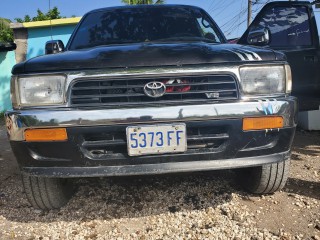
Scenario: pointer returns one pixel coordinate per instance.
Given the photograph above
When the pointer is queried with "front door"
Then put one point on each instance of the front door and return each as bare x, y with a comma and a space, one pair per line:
294, 32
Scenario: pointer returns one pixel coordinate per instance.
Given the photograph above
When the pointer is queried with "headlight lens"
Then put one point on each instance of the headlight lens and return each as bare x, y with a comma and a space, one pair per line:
267, 80
41, 90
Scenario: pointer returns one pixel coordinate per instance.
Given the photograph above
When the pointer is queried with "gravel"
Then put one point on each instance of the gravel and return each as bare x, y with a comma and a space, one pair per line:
197, 206
207, 205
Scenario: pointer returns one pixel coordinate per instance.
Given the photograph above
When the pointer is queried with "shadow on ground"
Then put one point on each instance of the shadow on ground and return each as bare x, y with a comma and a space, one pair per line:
306, 143
124, 197
303, 187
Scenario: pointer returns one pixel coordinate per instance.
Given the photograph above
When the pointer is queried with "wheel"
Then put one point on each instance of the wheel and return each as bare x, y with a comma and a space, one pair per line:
47, 193
265, 179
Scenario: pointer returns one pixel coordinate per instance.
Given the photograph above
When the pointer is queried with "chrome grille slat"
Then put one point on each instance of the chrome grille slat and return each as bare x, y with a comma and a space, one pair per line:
141, 86
199, 84
91, 92
109, 95
108, 87
202, 92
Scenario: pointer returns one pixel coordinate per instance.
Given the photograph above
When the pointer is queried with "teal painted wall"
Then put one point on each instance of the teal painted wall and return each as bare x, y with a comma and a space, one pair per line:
37, 38
7, 60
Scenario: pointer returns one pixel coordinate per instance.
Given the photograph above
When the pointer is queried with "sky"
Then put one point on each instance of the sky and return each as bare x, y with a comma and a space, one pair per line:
230, 15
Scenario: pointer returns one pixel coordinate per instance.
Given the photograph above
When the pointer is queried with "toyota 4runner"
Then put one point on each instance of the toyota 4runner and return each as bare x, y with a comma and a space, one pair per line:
150, 90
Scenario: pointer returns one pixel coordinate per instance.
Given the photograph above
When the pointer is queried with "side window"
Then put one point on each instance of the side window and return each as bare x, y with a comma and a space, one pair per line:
207, 31
289, 26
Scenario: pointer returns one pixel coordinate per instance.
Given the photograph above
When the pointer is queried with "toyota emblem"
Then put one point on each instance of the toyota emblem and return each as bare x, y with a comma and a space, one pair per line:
154, 89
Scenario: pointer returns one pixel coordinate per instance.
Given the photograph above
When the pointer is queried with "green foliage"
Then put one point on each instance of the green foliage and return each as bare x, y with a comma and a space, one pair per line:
138, 2
6, 34
1, 117
51, 14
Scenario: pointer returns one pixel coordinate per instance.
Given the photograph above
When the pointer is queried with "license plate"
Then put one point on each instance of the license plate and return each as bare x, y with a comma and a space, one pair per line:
156, 139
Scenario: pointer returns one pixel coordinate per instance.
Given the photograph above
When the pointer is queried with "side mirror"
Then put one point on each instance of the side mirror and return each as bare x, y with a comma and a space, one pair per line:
259, 37
54, 46
205, 23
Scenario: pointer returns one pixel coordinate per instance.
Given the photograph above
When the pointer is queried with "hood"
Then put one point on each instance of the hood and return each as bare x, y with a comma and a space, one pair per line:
144, 55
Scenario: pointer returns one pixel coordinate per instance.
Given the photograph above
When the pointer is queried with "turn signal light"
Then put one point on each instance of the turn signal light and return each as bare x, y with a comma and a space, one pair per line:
46, 135
262, 123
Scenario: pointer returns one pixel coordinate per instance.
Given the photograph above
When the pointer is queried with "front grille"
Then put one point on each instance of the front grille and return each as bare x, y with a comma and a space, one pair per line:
92, 92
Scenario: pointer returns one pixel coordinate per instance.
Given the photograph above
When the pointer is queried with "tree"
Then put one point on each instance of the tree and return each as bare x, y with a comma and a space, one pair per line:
6, 34
53, 13
138, 2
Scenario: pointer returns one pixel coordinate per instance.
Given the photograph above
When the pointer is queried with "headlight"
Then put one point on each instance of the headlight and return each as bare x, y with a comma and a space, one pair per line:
267, 80
41, 90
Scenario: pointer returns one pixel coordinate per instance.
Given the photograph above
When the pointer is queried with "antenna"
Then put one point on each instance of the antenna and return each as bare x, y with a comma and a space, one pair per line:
50, 19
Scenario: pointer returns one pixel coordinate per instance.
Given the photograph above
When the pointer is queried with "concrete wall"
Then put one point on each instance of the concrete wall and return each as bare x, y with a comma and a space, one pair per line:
37, 38
31, 37
21, 39
7, 60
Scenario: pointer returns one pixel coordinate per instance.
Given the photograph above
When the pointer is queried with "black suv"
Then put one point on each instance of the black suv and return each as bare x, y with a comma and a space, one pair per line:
150, 90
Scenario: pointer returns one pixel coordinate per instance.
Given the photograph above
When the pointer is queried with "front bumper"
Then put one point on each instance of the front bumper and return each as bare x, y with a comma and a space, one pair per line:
96, 139
157, 168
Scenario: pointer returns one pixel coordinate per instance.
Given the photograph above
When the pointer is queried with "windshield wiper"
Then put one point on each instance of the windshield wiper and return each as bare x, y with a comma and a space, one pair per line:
104, 43
202, 39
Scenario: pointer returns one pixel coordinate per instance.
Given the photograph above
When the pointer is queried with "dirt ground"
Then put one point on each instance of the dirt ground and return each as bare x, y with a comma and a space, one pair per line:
296, 209
199, 203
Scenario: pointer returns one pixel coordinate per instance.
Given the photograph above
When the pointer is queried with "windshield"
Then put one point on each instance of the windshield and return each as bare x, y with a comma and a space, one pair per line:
133, 25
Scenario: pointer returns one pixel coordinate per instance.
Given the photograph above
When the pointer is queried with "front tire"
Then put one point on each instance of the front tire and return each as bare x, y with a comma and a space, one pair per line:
47, 193
265, 179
